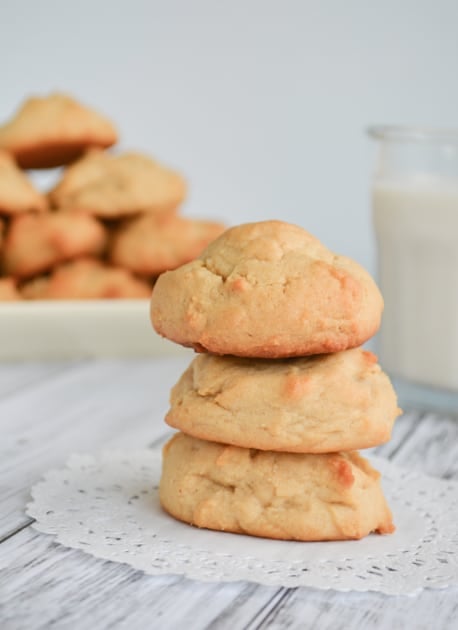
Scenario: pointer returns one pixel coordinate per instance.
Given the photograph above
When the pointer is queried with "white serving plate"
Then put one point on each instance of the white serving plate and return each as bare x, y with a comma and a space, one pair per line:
79, 329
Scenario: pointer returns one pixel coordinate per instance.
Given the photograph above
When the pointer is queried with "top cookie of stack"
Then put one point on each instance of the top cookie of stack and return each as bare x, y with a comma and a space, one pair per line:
269, 290
107, 229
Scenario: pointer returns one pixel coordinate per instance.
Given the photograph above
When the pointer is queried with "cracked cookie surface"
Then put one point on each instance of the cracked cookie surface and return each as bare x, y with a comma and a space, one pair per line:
268, 290
319, 404
289, 496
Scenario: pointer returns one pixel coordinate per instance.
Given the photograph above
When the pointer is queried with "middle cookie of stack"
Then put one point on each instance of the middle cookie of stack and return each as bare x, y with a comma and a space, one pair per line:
319, 404
268, 433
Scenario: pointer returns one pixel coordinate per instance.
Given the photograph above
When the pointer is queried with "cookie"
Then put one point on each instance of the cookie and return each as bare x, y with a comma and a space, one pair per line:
267, 290
112, 186
86, 279
8, 290
320, 404
291, 496
35, 243
35, 289
2, 232
17, 193
151, 244
54, 130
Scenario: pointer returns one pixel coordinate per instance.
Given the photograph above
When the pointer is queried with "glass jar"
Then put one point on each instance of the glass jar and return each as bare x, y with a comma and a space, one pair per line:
415, 214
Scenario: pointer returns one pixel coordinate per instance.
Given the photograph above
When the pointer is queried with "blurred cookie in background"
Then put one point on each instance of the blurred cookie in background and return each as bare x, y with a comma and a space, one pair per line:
8, 290
113, 186
54, 130
17, 193
86, 279
151, 244
34, 243
118, 208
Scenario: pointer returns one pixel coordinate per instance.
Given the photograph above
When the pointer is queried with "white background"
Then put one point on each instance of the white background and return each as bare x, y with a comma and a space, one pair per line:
262, 104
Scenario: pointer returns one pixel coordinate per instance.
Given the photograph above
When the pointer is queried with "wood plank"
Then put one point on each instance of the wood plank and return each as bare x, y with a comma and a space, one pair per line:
16, 377
424, 442
44, 581
99, 405
60, 428
307, 608
253, 603
43, 584
432, 447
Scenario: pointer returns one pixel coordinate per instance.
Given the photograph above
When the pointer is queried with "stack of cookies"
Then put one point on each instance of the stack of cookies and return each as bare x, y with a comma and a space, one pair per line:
108, 227
272, 411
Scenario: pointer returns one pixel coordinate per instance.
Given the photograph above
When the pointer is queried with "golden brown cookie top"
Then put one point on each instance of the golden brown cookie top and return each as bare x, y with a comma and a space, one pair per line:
54, 130
17, 193
318, 404
268, 290
151, 244
112, 186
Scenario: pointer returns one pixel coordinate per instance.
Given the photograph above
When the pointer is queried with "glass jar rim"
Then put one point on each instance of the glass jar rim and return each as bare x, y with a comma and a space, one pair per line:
405, 133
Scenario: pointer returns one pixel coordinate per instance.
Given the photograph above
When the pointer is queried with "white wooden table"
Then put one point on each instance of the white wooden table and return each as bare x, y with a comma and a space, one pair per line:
48, 411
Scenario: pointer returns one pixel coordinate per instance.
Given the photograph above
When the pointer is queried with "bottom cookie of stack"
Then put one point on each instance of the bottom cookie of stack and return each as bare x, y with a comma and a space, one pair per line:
291, 496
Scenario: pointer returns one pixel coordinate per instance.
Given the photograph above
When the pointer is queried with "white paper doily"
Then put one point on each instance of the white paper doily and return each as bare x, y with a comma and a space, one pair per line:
108, 507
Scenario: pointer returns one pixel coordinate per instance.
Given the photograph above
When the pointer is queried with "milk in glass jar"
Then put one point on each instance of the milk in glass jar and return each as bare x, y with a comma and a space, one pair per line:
415, 213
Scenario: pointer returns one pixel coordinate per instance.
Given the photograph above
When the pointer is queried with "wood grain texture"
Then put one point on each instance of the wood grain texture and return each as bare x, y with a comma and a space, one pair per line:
306, 608
83, 592
19, 376
99, 405
49, 411
423, 442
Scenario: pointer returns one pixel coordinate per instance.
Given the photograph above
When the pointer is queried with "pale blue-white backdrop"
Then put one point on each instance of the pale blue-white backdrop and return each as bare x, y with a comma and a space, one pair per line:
262, 104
